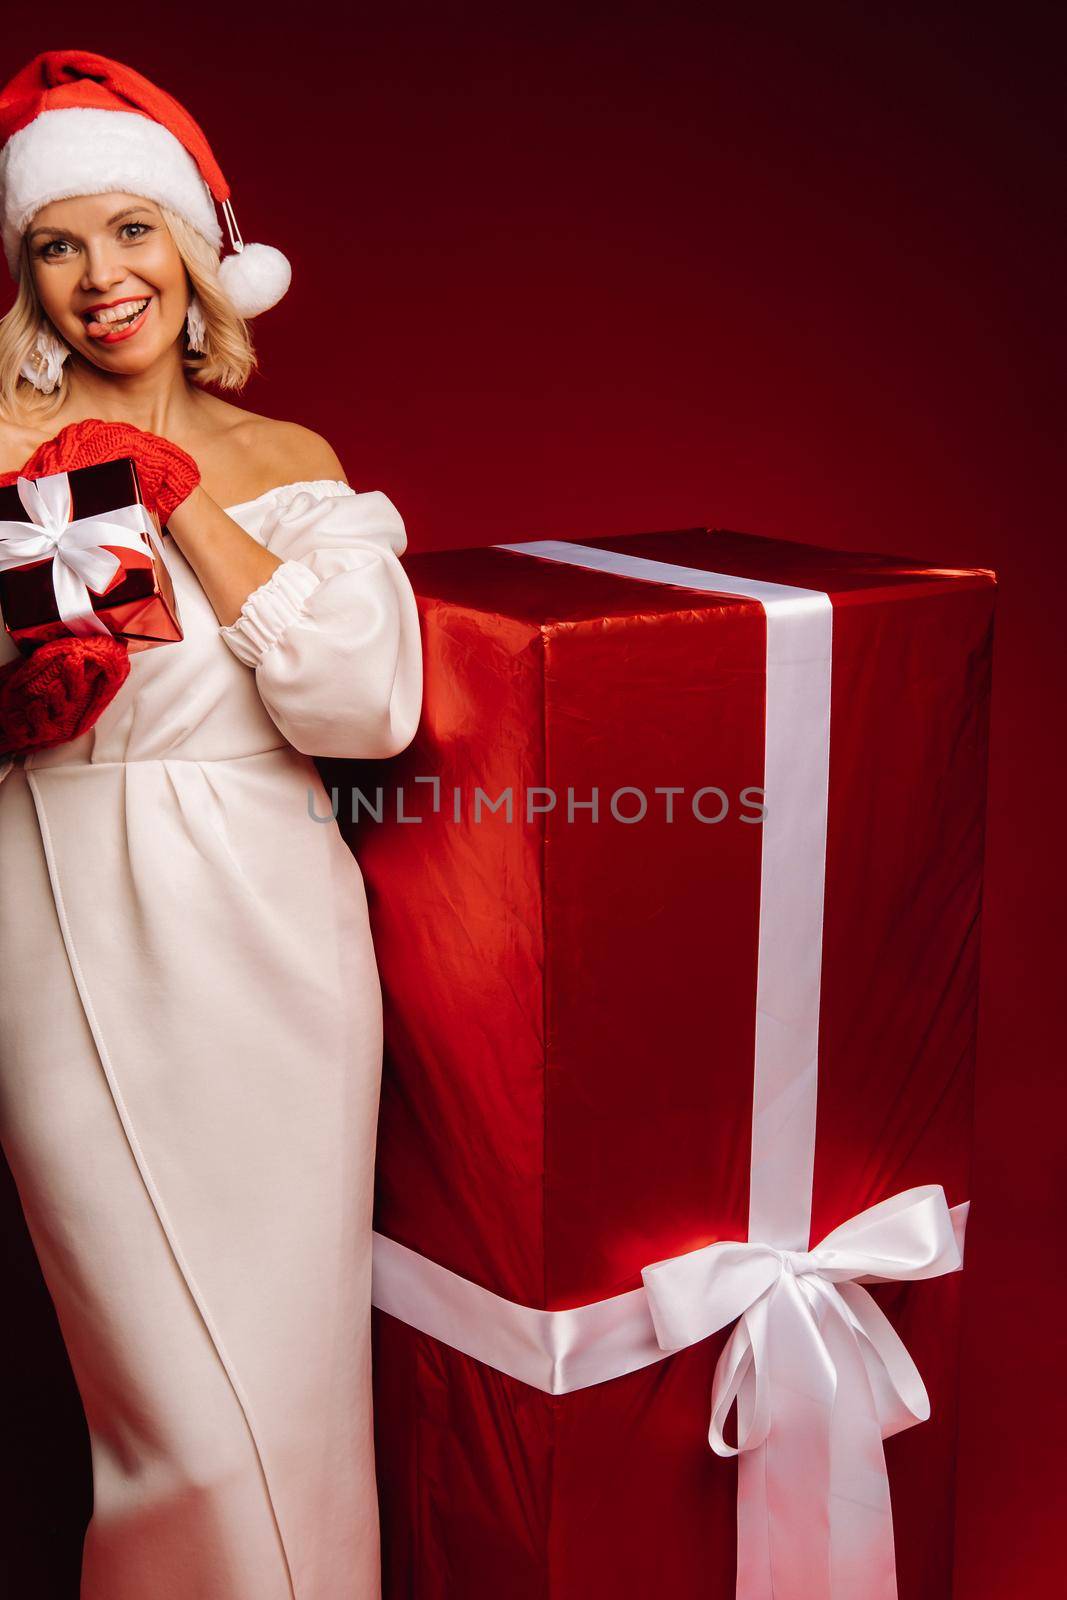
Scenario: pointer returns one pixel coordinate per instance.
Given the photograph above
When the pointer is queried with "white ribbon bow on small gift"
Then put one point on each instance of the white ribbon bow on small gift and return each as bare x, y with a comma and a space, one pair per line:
820, 1378
79, 560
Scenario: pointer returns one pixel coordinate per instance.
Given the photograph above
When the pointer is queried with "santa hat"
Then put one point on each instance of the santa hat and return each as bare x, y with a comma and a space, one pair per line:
73, 123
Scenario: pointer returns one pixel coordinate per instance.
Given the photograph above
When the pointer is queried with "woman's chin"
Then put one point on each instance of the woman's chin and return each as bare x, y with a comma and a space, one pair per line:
126, 360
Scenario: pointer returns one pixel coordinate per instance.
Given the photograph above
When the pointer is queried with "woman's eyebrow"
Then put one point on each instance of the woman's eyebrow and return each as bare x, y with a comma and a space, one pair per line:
128, 212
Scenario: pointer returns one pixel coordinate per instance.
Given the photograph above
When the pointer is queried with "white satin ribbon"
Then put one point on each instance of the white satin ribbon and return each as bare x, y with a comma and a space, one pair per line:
554, 1351
819, 1377
76, 545
796, 781
817, 1373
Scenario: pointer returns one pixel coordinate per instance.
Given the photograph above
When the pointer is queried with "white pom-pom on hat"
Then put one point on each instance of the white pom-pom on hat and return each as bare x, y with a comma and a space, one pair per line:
255, 279
256, 276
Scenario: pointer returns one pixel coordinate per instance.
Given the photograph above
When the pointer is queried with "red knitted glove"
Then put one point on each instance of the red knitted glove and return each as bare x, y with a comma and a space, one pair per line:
59, 691
167, 474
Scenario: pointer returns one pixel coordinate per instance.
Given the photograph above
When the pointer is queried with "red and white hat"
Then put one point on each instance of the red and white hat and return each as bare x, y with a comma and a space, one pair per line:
74, 123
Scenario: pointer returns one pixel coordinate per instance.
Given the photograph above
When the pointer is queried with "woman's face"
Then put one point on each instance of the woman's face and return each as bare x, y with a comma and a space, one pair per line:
109, 277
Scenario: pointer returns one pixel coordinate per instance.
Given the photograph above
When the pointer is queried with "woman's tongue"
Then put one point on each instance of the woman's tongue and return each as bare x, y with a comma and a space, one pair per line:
116, 324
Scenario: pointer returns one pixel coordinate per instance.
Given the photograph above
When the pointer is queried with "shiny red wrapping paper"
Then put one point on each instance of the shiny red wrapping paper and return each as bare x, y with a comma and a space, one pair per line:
138, 604
570, 1017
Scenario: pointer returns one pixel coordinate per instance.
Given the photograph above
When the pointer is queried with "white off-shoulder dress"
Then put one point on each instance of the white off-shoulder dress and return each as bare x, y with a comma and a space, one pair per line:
190, 1062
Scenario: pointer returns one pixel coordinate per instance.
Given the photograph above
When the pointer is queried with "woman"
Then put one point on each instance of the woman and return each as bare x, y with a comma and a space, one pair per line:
190, 1015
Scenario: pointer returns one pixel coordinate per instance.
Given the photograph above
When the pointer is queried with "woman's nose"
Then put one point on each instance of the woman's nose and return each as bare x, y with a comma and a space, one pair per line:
102, 271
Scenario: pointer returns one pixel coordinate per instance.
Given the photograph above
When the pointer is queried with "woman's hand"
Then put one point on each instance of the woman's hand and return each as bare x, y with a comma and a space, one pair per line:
58, 692
167, 474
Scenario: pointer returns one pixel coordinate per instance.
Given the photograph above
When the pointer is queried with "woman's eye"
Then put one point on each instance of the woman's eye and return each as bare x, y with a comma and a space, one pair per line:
54, 248
141, 228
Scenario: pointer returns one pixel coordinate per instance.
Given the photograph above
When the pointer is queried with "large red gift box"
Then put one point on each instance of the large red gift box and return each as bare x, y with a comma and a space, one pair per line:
714, 978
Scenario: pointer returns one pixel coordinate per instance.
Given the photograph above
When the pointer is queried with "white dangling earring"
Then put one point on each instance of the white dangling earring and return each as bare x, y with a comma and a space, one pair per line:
44, 366
196, 327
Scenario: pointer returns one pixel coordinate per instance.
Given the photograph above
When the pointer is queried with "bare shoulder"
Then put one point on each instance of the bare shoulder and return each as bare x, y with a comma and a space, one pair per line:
289, 448
18, 441
249, 454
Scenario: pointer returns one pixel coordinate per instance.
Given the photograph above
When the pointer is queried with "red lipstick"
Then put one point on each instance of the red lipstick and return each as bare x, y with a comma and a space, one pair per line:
100, 330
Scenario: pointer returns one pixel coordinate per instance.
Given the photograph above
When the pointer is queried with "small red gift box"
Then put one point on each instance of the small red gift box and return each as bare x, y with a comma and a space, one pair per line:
80, 553
675, 899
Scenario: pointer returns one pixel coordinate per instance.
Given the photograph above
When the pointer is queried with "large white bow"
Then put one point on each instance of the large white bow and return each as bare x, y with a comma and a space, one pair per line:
820, 1378
79, 561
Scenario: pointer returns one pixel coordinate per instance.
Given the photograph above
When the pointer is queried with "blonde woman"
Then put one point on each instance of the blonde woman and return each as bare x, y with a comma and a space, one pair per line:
190, 1014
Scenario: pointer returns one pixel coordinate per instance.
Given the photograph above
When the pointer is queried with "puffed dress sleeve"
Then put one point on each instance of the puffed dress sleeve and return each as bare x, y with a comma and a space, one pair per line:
333, 634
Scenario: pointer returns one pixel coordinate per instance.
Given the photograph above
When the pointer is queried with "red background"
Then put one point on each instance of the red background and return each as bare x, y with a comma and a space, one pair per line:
786, 269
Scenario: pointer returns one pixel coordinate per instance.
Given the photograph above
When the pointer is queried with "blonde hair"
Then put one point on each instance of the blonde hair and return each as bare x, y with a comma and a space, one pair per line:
227, 361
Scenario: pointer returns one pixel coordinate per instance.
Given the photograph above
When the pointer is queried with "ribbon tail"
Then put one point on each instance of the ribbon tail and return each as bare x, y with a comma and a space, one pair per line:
755, 1570
897, 1389
73, 603
783, 1506
863, 1560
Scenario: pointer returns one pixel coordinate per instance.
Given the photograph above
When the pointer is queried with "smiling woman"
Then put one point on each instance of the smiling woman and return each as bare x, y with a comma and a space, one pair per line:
166, 256
190, 1117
